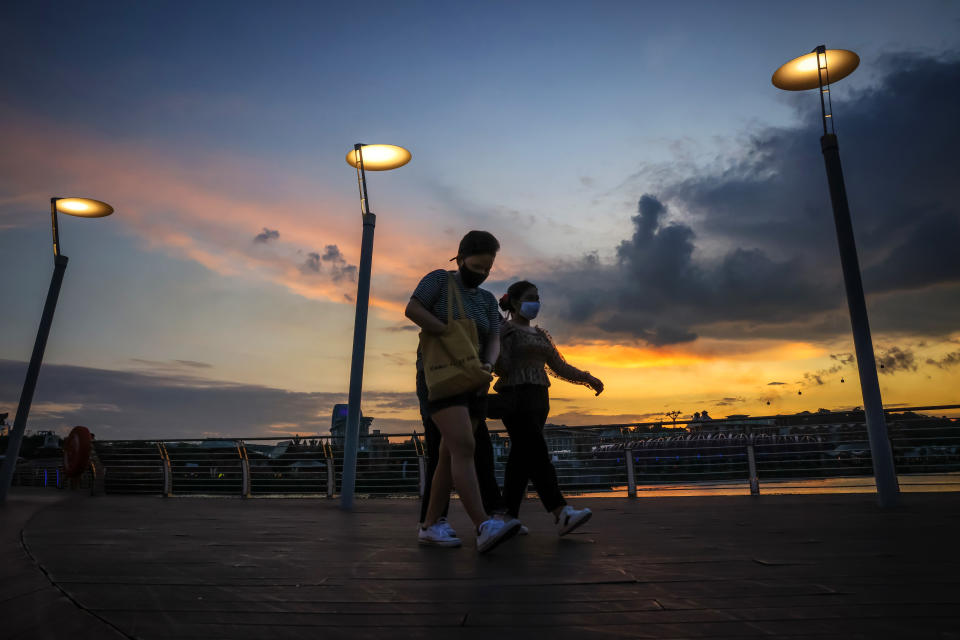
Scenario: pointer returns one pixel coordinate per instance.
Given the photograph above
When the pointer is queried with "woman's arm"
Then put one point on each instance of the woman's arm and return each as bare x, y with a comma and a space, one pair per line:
422, 317
492, 351
562, 369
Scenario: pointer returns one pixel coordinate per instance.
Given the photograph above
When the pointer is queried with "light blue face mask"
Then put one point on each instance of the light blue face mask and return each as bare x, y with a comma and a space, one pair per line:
529, 310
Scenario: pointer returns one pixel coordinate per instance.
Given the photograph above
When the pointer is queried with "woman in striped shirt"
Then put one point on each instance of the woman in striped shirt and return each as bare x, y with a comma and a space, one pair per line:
456, 416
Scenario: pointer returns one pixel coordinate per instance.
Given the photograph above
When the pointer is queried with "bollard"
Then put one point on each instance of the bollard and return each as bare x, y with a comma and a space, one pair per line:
631, 480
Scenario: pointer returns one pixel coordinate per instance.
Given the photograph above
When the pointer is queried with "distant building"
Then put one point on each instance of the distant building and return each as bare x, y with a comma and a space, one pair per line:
378, 444
501, 448
338, 427
737, 423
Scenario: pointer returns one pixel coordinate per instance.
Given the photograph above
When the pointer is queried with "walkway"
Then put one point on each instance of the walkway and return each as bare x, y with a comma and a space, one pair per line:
829, 566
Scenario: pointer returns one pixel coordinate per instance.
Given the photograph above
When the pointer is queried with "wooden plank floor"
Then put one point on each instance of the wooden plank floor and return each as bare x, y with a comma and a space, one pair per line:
831, 566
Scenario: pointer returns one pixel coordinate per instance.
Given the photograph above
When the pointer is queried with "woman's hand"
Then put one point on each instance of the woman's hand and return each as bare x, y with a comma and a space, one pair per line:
595, 384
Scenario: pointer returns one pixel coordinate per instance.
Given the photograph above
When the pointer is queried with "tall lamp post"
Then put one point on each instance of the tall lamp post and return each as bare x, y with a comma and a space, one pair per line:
816, 70
365, 157
83, 208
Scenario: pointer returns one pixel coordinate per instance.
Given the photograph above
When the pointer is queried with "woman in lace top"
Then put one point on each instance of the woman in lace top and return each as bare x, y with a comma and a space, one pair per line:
525, 352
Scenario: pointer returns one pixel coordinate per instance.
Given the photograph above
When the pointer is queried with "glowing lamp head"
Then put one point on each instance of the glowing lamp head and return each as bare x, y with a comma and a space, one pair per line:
800, 73
83, 207
379, 157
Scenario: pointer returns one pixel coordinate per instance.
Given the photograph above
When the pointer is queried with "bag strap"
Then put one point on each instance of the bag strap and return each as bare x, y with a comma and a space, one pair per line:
453, 293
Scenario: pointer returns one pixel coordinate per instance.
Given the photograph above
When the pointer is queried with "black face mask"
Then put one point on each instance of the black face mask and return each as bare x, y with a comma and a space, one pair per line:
471, 279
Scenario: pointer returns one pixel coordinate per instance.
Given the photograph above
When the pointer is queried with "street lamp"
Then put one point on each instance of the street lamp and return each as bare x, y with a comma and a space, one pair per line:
372, 157
82, 208
816, 70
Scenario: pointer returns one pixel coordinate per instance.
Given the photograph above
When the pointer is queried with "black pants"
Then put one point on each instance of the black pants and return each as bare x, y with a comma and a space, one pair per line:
482, 458
527, 408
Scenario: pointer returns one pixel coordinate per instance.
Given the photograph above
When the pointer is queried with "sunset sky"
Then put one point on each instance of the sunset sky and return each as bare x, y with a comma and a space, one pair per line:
633, 159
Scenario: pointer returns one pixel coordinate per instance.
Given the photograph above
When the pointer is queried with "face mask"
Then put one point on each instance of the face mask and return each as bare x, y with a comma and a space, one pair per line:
471, 279
529, 310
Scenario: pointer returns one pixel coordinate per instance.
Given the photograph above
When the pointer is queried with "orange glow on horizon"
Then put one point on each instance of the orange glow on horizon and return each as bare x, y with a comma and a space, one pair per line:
620, 356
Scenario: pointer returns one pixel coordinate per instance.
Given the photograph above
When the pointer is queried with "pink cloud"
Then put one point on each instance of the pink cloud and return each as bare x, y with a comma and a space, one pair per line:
208, 207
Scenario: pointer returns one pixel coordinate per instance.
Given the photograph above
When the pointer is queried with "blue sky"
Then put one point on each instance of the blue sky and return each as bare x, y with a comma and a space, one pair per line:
545, 122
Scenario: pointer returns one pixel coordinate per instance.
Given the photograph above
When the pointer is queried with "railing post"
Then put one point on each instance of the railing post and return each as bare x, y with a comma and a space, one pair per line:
752, 464
98, 474
421, 464
98, 470
167, 490
631, 479
331, 470
244, 469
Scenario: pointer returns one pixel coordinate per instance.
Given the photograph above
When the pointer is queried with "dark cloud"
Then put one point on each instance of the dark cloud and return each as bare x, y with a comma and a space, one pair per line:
266, 236
952, 359
129, 404
402, 359
331, 262
311, 264
771, 384
726, 402
339, 269
843, 360
896, 359
192, 364
402, 328
658, 292
748, 247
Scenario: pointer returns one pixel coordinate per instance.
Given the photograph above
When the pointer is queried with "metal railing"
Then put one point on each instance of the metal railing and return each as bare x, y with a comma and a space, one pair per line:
743, 455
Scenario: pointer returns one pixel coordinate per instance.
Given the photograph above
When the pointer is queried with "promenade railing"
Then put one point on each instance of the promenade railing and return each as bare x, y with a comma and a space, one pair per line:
824, 451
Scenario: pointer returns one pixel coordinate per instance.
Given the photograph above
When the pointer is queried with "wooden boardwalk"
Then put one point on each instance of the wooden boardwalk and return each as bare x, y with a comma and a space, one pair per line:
830, 566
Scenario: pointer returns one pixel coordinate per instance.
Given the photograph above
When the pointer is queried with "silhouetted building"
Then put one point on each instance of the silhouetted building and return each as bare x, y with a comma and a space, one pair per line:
338, 427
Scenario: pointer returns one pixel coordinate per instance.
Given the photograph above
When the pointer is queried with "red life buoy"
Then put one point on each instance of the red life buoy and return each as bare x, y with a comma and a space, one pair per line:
76, 452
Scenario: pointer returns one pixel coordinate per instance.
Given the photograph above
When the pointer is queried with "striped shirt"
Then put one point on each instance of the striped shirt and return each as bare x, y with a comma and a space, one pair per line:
479, 304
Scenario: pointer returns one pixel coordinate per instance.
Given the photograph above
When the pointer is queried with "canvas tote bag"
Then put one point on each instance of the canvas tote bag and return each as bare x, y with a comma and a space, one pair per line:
451, 364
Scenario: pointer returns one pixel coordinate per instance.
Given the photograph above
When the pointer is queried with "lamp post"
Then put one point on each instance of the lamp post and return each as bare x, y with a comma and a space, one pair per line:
372, 157
816, 70
83, 208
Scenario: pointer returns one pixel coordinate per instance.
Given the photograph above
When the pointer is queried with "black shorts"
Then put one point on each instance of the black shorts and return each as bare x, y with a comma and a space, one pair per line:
474, 401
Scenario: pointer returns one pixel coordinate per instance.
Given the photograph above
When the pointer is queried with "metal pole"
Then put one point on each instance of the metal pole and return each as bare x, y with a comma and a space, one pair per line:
352, 432
888, 490
352, 435
33, 372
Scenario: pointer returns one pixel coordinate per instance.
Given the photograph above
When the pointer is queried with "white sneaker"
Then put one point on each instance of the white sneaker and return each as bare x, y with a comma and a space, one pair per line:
445, 524
571, 518
524, 530
437, 536
493, 532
